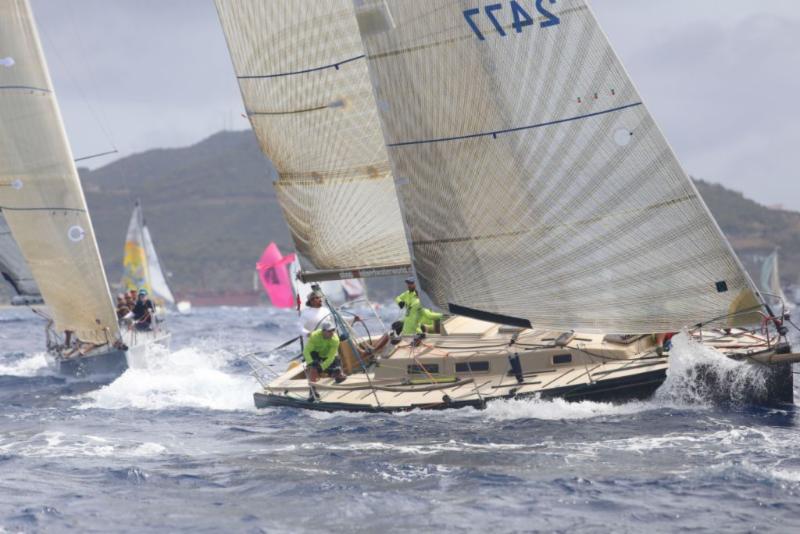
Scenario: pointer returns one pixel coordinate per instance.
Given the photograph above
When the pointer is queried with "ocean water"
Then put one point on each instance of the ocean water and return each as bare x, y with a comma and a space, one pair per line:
178, 446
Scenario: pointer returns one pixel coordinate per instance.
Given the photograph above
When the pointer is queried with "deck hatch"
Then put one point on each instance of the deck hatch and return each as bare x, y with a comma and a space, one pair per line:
475, 367
424, 369
560, 359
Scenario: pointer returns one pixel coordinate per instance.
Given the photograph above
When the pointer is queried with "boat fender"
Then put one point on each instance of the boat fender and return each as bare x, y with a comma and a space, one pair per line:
564, 339
516, 367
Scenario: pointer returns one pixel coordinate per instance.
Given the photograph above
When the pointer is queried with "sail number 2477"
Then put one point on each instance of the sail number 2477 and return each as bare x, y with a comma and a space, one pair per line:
519, 17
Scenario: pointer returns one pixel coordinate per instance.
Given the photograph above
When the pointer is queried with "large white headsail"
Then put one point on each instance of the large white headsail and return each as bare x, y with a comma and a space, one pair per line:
305, 85
40, 193
535, 184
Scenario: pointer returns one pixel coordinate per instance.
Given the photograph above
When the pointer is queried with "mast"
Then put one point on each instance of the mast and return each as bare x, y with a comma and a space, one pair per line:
40, 193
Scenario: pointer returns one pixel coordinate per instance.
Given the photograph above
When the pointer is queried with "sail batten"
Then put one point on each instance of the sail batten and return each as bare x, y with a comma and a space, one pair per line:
44, 205
536, 185
304, 82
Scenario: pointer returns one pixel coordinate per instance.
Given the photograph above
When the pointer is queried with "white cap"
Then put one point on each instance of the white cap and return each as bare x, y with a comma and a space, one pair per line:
327, 326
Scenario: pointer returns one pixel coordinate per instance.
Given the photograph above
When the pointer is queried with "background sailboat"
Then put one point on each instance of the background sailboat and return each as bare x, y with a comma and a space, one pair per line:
770, 281
141, 268
40, 193
279, 276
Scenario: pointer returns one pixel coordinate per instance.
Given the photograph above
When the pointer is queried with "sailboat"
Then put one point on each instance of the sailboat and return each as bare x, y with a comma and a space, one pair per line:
770, 282
141, 268
503, 151
45, 209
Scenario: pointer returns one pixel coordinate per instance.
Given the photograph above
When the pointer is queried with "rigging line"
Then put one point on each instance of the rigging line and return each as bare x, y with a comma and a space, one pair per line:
78, 210
79, 88
25, 87
495, 133
107, 153
304, 71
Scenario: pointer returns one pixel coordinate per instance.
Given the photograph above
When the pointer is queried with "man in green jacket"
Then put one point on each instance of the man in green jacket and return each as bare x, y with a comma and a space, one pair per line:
417, 318
320, 353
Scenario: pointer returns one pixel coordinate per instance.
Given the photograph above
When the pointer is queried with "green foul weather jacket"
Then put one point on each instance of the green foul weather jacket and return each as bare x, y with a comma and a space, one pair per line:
326, 348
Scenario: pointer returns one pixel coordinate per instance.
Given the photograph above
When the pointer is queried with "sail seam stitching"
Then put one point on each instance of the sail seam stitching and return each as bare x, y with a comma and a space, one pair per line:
28, 87
304, 71
495, 133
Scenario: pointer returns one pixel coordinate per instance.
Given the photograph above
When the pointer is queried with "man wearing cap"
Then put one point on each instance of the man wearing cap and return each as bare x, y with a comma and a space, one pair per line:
313, 314
143, 311
320, 353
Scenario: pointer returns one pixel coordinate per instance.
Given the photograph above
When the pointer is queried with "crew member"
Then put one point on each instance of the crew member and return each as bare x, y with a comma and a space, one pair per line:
143, 311
122, 306
320, 353
418, 319
313, 314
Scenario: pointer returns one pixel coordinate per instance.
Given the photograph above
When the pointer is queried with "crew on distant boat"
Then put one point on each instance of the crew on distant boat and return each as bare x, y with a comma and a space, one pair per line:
123, 308
143, 311
320, 353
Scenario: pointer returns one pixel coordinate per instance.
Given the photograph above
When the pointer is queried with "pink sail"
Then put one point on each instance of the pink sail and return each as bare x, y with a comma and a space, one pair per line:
274, 276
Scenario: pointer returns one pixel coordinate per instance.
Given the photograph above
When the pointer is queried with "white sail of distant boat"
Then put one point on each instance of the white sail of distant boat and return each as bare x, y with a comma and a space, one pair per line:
536, 186
142, 270
301, 71
771, 279
14, 269
40, 193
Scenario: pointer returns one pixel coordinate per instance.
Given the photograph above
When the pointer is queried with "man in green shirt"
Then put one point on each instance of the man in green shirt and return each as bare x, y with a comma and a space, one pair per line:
321, 351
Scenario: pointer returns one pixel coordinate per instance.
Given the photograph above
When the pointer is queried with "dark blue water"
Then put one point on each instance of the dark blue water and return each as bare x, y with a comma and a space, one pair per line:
178, 447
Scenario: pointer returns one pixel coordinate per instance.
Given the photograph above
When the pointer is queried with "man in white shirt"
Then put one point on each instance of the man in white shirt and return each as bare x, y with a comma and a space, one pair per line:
313, 314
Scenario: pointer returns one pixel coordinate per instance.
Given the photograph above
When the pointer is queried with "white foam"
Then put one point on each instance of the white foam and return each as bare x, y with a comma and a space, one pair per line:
57, 444
560, 409
30, 365
689, 361
186, 378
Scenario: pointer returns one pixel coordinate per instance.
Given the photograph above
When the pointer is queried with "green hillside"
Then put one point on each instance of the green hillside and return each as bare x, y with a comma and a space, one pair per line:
211, 209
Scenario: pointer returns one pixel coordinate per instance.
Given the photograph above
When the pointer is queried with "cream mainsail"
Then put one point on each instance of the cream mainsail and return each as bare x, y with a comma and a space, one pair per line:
304, 81
141, 268
40, 193
536, 186
13, 267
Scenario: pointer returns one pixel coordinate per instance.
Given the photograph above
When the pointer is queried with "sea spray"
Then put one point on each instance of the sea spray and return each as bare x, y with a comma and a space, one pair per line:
698, 374
189, 377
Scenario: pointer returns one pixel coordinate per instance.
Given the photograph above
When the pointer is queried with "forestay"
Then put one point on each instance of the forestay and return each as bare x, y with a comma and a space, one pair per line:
13, 267
40, 193
304, 81
535, 184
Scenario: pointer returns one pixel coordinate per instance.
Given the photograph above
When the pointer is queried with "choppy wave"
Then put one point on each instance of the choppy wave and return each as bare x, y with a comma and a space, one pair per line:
25, 365
189, 377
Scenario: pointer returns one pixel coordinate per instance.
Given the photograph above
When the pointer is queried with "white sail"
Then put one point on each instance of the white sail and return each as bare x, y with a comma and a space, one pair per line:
13, 267
771, 279
158, 282
305, 86
40, 193
536, 187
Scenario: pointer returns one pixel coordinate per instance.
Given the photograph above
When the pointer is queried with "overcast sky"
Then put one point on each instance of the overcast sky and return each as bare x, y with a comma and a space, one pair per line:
722, 78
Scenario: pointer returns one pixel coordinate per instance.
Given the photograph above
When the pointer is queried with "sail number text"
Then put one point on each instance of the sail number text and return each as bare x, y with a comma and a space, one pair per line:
519, 17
